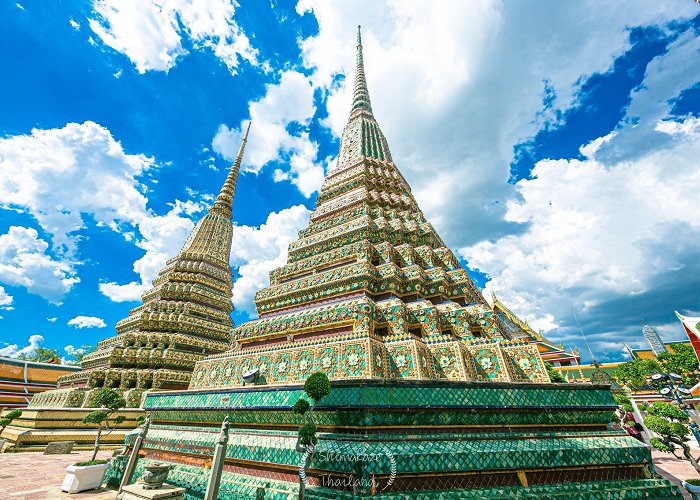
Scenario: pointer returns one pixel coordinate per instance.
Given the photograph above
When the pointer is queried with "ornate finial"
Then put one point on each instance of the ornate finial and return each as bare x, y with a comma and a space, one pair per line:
360, 97
224, 201
359, 35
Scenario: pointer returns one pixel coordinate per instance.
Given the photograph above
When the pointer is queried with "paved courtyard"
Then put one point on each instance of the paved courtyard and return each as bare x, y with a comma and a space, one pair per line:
34, 476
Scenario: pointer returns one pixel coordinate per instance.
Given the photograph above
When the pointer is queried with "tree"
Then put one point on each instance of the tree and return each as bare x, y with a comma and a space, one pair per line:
77, 355
40, 355
112, 401
623, 402
682, 361
317, 386
669, 421
635, 373
554, 375
9, 417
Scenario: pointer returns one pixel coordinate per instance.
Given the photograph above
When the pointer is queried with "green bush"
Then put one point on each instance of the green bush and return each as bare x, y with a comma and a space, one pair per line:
307, 433
666, 410
13, 414
317, 386
91, 462
694, 482
301, 407
660, 445
4, 422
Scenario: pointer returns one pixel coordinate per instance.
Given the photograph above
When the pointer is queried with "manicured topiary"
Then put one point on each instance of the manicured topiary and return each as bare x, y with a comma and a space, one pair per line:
317, 386
112, 401
669, 422
9, 417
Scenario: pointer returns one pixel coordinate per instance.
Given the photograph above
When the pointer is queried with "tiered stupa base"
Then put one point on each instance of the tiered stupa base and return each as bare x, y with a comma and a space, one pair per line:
38, 427
417, 439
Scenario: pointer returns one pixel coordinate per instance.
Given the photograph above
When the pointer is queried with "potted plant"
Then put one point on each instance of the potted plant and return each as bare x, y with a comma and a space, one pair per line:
669, 422
692, 486
7, 420
316, 387
89, 475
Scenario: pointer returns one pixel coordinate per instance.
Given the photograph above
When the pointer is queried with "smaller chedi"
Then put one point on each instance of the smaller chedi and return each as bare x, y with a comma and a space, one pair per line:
184, 318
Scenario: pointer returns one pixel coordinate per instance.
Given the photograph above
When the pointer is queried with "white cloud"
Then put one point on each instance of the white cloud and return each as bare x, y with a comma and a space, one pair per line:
74, 24
51, 320
612, 236
454, 101
162, 237
258, 250
150, 32
89, 174
291, 101
24, 262
59, 174
86, 322
5, 299
13, 350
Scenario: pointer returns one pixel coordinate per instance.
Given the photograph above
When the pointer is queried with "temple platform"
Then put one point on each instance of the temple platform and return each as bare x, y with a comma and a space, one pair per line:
405, 439
39, 426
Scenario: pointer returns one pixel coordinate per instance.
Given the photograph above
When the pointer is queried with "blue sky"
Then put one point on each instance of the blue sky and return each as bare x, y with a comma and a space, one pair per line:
555, 148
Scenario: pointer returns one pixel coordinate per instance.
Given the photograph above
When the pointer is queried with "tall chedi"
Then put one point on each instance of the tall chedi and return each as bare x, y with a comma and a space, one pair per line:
184, 317
369, 289
430, 398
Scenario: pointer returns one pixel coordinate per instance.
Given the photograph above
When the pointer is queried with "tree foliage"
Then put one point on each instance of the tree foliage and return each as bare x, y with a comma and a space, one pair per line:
77, 356
623, 402
317, 386
9, 417
669, 422
682, 361
554, 375
112, 401
635, 373
40, 355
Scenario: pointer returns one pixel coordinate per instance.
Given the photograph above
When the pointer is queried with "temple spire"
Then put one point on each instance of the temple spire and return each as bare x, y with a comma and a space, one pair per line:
360, 98
224, 202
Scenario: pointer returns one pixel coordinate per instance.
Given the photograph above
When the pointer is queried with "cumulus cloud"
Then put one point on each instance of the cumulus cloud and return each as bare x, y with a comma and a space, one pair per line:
24, 262
89, 174
613, 235
14, 350
151, 32
5, 299
289, 102
454, 101
258, 250
86, 322
161, 237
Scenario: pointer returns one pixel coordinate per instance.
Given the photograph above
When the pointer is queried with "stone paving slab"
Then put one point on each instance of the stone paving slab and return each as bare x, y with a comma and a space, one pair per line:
33, 476
673, 469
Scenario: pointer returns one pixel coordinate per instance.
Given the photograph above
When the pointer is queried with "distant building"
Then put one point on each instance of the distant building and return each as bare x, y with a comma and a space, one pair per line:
652, 337
20, 380
553, 353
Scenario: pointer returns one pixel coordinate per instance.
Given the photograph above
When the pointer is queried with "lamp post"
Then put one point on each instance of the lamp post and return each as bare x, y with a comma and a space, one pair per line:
671, 387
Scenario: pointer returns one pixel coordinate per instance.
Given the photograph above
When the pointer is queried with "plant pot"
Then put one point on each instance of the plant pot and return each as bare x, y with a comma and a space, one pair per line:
155, 475
81, 478
692, 489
